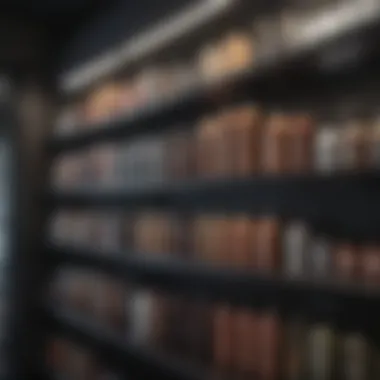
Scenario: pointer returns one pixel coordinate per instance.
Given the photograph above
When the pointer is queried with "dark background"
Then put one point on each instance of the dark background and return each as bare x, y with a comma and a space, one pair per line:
76, 30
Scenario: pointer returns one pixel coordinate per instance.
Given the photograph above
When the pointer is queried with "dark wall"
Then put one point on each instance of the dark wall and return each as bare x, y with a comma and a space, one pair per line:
110, 26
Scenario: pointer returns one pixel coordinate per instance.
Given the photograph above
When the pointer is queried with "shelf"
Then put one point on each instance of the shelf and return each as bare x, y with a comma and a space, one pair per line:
352, 24
340, 205
182, 32
125, 358
165, 33
346, 306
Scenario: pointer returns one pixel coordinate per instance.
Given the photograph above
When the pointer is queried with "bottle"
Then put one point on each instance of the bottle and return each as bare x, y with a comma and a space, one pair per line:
345, 262
276, 155
270, 333
354, 364
296, 244
295, 350
244, 139
268, 246
321, 342
320, 261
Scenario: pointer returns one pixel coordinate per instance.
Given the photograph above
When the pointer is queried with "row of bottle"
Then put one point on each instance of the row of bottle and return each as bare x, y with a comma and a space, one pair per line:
235, 343
266, 244
195, 330
238, 142
236, 49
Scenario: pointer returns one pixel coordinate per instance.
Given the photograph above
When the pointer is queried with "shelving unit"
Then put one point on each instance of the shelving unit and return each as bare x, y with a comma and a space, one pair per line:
342, 205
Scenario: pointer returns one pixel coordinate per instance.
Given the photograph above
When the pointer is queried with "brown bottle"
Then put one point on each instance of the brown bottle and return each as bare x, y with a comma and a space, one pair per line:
243, 320
244, 138
345, 262
269, 345
206, 154
223, 314
356, 140
276, 155
295, 350
201, 330
244, 342
369, 257
221, 147
301, 129
268, 249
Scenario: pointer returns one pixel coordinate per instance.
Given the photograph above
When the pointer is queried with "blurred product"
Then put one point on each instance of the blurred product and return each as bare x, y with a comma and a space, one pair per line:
210, 62
141, 163
233, 53
370, 265
180, 156
212, 149
356, 154
244, 341
321, 361
243, 126
270, 333
296, 249
223, 317
354, 360
101, 104
149, 310
268, 246
80, 364
345, 258
320, 258
276, 145
244, 321
327, 149
102, 162
295, 350
128, 97
269, 37
67, 120
69, 171
374, 148
207, 240
237, 51
303, 129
